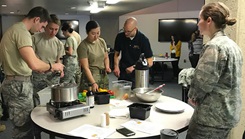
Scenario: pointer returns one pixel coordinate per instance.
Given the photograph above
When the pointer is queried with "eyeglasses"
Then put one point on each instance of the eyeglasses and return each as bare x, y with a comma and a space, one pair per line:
128, 31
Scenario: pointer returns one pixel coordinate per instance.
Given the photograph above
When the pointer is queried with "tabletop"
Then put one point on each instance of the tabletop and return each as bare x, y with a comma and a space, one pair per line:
176, 121
163, 59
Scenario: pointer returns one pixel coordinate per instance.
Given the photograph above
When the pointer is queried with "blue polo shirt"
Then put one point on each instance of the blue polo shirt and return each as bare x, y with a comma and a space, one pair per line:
131, 49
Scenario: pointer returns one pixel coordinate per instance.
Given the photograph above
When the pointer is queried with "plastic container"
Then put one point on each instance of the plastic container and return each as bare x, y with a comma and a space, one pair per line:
139, 111
102, 98
121, 87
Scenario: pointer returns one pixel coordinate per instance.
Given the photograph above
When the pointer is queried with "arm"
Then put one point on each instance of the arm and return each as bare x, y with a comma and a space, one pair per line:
69, 51
178, 46
206, 75
150, 61
36, 64
107, 63
116, 64
84, 64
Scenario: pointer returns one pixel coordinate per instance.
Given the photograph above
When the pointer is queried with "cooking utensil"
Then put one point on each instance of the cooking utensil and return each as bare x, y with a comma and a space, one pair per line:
64, 93
152, 97
160, 86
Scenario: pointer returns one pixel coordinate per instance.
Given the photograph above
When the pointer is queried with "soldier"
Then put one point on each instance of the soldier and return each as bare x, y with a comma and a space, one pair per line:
93, 58
49, 49
19, 60
70, 59
215, 87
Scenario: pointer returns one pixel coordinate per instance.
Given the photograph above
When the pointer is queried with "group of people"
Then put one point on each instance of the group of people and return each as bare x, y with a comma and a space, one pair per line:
214, 90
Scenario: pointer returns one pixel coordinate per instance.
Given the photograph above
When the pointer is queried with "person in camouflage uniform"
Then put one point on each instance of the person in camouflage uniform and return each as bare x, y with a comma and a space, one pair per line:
70, 58
49, 49
19, 60
215, 87
78, 39
93, 58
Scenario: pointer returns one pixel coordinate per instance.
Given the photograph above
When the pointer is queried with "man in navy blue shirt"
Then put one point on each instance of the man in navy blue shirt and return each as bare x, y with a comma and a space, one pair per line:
131, 44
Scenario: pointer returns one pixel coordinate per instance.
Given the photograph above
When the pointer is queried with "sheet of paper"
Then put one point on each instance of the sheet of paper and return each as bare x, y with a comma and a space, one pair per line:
119, 103
119, 112
143, 126
92, 132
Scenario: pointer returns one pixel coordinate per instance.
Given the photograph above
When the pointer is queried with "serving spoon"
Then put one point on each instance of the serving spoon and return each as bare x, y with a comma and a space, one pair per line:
157, 88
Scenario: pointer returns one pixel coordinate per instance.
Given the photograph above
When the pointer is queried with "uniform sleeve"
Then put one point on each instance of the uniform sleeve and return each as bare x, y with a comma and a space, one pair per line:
82, 51
206, 75
61, 50
23, 38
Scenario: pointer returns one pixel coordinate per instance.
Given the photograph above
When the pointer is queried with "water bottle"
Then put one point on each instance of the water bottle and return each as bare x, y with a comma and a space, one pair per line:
90, 98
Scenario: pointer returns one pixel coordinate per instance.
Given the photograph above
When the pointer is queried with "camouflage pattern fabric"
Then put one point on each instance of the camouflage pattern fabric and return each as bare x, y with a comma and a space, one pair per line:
197, 131
101, 79
71, 67
18, 98
40, 81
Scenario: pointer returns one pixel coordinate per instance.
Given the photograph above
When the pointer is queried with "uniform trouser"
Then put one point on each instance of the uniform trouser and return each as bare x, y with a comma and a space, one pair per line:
18, 97
197, 131
39, 81
101, 79
70, 70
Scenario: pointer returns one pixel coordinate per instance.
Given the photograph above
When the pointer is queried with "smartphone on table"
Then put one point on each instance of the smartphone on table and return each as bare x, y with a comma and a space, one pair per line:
124, 131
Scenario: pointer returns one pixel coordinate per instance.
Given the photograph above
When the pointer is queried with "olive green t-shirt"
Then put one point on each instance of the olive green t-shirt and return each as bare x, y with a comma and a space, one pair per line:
16, 37
77, 37
47, 49
95, 52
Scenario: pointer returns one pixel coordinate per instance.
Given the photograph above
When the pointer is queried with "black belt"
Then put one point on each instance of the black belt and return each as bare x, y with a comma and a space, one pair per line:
18, 77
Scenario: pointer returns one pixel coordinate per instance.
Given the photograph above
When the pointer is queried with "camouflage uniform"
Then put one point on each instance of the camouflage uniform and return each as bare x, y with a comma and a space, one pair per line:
41, 81
216, 89
100, 76
18, 97
70, 70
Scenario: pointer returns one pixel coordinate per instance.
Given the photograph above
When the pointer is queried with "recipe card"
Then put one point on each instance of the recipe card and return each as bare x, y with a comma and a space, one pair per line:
92, 132
143, 126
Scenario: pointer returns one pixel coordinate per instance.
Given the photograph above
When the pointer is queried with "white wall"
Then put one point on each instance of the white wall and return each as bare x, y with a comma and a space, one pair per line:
148, 23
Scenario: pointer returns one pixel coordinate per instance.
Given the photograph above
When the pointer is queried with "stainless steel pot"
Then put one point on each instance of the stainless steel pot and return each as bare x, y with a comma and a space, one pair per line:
64, 93
145, 97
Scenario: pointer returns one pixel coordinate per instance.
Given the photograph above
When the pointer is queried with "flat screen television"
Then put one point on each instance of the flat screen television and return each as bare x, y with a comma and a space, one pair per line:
181, 27
74, 25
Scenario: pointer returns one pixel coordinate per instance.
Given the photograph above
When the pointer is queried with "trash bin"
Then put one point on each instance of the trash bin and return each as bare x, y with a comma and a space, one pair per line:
169, 134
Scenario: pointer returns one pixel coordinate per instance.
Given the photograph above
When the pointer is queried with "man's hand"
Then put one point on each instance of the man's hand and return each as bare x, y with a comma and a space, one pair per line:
58, 67
116, 71
130, 69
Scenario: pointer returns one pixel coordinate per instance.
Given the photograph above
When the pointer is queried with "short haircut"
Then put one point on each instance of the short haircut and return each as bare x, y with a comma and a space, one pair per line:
91, 25
54, 19
39, 12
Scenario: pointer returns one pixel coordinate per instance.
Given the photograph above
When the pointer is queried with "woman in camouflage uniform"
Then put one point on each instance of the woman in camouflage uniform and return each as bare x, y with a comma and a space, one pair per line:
215, 86
93, 58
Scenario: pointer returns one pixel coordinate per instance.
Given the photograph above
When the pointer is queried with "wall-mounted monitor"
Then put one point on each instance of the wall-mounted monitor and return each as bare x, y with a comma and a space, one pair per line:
74, 24
181, 27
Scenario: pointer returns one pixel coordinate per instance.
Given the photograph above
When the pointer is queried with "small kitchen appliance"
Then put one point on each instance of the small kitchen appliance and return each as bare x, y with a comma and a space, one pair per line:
64, 103
141, 73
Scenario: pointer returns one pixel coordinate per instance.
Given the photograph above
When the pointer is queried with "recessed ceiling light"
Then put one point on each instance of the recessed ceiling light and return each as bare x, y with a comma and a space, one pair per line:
66, 13
11, 12
73, 8
4, 5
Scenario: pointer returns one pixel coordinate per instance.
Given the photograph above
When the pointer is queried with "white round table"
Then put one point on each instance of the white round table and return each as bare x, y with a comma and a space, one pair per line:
176, 121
